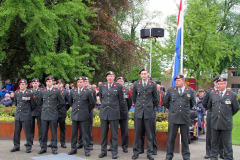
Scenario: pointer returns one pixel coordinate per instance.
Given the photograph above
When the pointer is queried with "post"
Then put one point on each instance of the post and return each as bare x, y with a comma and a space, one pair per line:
182, 37
151, 58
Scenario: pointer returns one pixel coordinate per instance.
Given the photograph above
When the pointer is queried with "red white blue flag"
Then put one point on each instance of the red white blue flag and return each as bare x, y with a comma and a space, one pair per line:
178, 44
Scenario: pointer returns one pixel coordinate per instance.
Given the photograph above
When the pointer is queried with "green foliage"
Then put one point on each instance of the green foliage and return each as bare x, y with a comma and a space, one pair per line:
38, 38
236, 129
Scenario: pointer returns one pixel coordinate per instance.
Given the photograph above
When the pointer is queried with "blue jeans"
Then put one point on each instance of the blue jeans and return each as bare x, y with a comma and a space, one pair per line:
159, 109
199, 120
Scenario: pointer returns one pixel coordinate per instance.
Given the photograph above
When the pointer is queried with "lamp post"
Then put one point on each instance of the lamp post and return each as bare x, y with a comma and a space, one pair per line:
155, 33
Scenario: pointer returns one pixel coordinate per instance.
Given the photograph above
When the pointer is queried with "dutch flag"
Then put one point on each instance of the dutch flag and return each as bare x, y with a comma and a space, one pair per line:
178, 44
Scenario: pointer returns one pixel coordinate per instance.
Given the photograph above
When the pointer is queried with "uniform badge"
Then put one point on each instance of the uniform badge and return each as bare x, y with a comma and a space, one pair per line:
217, 93
227, 94
139, 82
54, 90
75, 90
123, 89
212, 90
150, 83
92, 94
34, 96
188, 95
237, 98
39, 90
84, 90
187, 88
228, 101
45, 89
114, 85
26, 92
18, 91
105, 85
175, 88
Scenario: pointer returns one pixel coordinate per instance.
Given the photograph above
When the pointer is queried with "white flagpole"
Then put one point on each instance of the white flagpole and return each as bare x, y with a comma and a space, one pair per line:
182, 37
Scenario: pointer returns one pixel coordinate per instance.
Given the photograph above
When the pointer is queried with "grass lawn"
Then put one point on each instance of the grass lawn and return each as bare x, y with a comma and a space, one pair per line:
236, 129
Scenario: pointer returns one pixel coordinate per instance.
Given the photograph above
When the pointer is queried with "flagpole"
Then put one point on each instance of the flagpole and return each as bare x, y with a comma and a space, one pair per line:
182, 37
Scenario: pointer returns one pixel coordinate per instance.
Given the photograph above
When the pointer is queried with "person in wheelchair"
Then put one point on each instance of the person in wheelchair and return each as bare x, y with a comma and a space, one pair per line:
199, 108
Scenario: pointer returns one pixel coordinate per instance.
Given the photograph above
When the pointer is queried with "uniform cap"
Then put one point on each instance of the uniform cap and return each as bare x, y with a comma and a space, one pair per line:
119, 78
143, 69
201, 90
23, 81
215, 78
60, 81
35, 80
222, 79
80, 78
178, 77
49, 78
109, 73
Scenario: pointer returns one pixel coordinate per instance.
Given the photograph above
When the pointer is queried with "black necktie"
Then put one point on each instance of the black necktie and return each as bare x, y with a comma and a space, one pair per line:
144, 84
180, 91
221, 94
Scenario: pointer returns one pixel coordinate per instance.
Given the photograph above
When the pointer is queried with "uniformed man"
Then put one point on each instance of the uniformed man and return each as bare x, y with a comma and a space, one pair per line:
123, 121
52, 101
209, 113
81, 100
93, 92
36, 113
145, 99
224, 104
111, 96
25, 102
62, 112
179, 100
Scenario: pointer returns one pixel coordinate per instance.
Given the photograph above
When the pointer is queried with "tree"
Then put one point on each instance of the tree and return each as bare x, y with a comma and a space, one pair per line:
51, 37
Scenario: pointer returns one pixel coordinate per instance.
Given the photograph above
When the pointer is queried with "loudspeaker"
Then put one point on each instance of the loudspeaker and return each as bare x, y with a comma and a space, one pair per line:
157, 32
145, 33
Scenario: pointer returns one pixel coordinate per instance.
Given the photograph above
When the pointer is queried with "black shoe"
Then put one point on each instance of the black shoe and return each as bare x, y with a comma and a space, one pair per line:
50, 145
79, 146
141, 151
25, 144
155, 152
15, 149
72, 152
169, 159
109, 149
125, 150
102, 155
150, 157
63, 146
135, 156
221, 156
87, 154
206, 156
42, 151
28, 151
91, 148
54, 152
114, 156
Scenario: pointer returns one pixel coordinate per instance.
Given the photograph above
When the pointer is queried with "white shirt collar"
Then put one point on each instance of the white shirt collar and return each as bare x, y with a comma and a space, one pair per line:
50, 88
23, 91
223, 92
144, 82
183, 88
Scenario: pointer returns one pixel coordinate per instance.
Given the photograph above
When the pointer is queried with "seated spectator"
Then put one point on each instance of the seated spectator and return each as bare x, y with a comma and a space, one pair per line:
12, 96
98, 103
67, 87
7, 88
7, 100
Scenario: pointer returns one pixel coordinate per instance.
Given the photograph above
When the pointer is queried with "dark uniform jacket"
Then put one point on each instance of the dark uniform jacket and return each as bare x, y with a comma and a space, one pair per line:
38, 109
62, 112
223, 108
145, 99
111, 101
81, 104
206, 98
52, 102
127, 103
179, 106
25, 103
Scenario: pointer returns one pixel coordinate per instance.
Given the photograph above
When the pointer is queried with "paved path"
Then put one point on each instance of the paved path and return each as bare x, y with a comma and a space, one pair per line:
197, 149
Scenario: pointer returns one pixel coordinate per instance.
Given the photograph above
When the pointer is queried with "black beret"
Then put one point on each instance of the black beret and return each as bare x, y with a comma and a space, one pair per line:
109, 73
119, 78
60, 81
178, 77
222, 79
22, 81
85, 78
215, 78
80, 78
35, 80
201, 90
143, 69
49, 78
